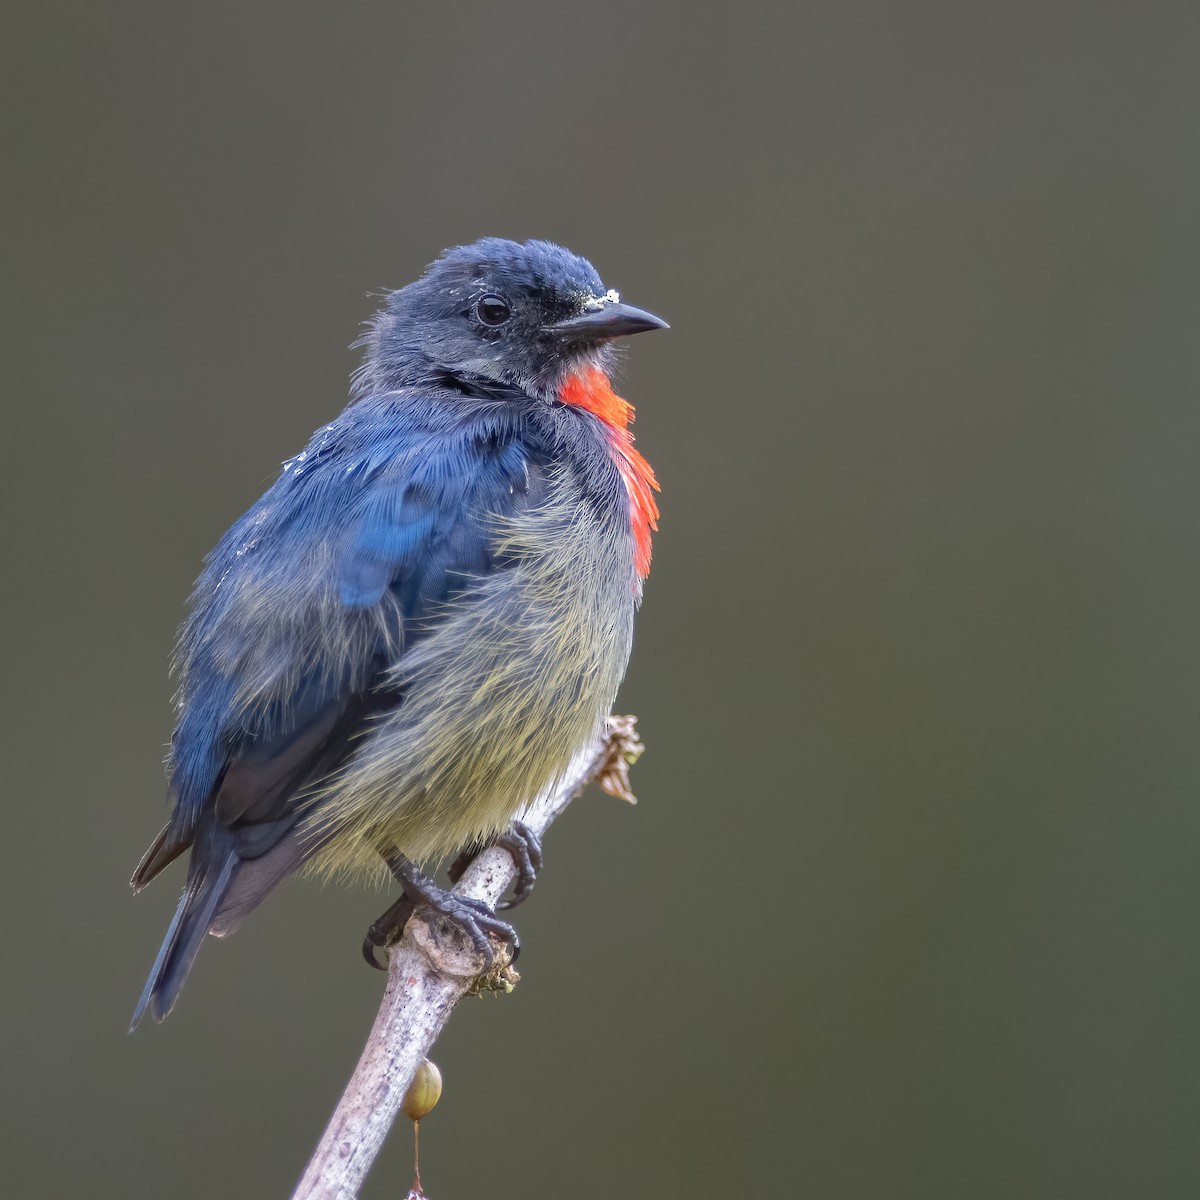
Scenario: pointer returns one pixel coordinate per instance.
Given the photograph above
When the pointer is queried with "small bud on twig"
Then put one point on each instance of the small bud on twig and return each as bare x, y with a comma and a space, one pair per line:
422, 1096
425, 1091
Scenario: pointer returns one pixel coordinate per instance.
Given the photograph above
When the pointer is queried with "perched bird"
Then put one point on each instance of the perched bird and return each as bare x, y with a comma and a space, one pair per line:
427, 615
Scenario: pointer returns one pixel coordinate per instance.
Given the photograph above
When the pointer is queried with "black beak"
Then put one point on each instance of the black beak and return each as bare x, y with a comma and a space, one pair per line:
611, 321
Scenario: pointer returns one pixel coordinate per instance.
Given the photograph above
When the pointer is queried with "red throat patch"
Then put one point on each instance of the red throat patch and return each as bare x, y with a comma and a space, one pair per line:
593, 392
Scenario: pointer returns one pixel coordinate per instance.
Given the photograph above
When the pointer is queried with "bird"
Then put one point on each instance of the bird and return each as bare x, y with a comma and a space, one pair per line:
426, 616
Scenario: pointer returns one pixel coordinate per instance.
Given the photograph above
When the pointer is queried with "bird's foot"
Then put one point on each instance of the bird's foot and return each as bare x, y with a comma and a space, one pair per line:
475, 919
386, 931
526, 849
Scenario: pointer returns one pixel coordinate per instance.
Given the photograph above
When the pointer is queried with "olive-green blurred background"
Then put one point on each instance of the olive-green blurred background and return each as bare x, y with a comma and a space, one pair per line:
908, 908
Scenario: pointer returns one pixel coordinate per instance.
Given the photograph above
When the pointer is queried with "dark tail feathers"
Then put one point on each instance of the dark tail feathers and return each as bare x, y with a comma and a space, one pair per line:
193, 918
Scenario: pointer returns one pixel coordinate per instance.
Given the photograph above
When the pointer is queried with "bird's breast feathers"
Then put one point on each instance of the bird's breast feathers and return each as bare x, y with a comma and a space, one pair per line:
518, 672
592, 391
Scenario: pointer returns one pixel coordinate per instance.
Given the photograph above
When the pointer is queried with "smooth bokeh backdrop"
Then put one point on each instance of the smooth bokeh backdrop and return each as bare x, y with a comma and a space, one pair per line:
908, 906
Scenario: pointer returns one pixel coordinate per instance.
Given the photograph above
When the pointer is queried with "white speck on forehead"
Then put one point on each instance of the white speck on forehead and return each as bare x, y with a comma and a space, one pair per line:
596, 303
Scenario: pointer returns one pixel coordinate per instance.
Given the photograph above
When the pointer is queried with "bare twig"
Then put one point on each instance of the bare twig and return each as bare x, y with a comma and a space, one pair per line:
427, 976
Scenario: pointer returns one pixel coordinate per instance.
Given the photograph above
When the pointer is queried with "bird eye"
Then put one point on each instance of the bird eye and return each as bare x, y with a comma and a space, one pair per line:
493, 310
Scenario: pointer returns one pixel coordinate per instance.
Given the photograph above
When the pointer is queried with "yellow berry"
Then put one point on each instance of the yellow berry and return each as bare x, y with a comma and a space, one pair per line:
425, 1091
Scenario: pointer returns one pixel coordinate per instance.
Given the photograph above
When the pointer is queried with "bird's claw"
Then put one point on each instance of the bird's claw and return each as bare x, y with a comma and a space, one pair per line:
526, 849
386, 931
476, 919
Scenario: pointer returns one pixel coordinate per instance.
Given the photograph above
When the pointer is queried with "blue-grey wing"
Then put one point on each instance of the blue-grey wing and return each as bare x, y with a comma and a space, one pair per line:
314, 593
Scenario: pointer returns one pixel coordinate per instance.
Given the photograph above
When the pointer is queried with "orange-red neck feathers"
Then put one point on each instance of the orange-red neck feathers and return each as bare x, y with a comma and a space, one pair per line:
592, 391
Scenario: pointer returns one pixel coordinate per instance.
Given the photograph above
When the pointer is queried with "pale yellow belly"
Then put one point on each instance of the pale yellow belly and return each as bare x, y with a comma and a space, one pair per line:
518, 675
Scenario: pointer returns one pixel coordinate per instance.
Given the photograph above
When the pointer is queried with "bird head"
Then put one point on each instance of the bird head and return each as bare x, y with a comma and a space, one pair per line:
497, 313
